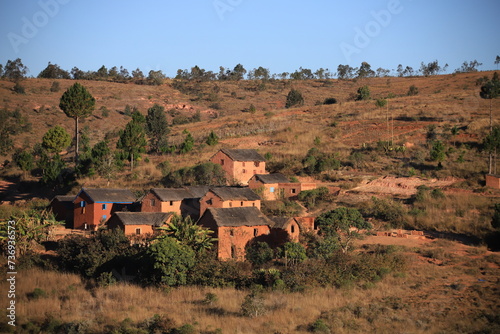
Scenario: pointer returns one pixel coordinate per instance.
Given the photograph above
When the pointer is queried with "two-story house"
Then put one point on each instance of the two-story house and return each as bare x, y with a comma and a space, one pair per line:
229, 197
93, 207
240, 164
234, 228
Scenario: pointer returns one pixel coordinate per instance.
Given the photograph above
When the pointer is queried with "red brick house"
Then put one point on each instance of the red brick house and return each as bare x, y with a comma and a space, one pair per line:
269, 186
234, 228
164, 200
289, 229
139, 223
240, 165
229, 197
62, 207
93, 207
493, 181
182, 201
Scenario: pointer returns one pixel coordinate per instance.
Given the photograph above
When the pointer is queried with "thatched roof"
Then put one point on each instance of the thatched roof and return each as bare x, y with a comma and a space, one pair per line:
143, 218
272, 178
243, 155
241, 216
235, 194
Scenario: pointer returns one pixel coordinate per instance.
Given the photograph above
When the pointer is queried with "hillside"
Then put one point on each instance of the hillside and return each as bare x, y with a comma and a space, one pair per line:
344, 128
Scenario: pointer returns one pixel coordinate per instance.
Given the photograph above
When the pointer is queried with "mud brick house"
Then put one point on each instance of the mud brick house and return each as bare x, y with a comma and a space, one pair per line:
234, 228
229, 197
62, 207
164, 200
182, 201
493, 181
289, 229
139, 223
293, 189
268, 185
93, 207
240, 165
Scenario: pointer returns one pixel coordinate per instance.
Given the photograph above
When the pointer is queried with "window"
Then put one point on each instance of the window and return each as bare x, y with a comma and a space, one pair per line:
171, 203
231, 233
104, 206
222, 162
256, 163
153, 202
83, 204
253, 203
292, 229
137, 231
230, 204
244, 171
241, 203
255, 232
233, 251
294, 191
104, 217
271, 190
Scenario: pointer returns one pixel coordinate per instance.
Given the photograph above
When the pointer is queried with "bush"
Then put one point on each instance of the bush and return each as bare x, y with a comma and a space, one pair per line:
259, 253
294, 98
330, 100
412, 91
55, 87
363, 93
18, 88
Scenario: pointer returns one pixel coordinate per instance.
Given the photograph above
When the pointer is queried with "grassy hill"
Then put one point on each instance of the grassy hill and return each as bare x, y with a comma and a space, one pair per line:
442, 102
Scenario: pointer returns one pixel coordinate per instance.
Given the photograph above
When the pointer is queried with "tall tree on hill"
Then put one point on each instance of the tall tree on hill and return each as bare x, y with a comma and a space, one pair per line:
77, 103
133, 140
15, 70
491, 90
157, 127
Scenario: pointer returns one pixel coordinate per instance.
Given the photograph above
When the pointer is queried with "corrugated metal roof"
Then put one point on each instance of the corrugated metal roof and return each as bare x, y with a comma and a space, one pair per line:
235, 193
110, 195
241, 216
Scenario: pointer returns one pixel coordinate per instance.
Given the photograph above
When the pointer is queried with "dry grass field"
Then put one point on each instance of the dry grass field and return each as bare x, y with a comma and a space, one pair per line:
446, 287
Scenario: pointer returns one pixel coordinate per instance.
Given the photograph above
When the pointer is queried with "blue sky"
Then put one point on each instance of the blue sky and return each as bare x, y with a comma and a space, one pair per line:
278, 35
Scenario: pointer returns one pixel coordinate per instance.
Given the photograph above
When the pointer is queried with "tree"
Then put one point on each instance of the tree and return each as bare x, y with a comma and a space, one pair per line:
188, 233
24, 160
468, 67
293, 253
497, 61
15, 70
157, 127
51, 167
53, 71
492, 145
212, 139
171, 261
345, 72
56, 139
188, 143
133, 140
77, 103
156, 77
294, 98
437, 152
258, 253
432, 68
363, 93
238, 72
365, 71
491, 90
338, 222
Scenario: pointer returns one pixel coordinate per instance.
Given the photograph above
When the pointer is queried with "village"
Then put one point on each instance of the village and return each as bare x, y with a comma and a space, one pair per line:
231, 212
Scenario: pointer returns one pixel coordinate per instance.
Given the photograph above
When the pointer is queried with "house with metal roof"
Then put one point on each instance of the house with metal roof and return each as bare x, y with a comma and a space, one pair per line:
93, 207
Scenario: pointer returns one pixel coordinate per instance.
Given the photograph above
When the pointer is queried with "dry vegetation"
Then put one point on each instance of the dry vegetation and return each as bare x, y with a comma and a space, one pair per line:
447, 287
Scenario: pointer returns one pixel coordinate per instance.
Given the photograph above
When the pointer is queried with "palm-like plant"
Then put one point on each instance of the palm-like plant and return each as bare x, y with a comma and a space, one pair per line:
187, 232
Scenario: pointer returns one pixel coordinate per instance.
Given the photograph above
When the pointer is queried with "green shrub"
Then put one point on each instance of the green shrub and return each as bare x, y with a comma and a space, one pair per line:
294, 98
